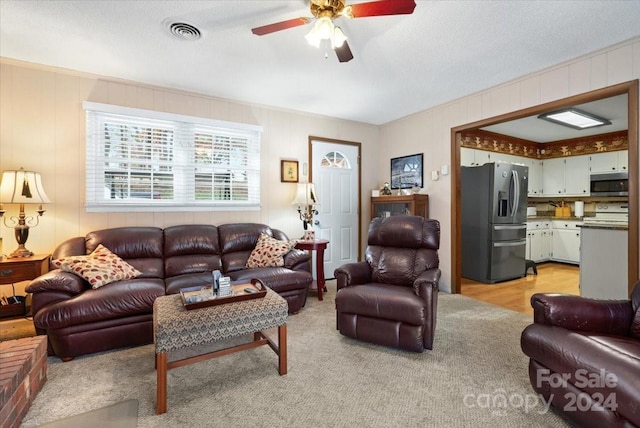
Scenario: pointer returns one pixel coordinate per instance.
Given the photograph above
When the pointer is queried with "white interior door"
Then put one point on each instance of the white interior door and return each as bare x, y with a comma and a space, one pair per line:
335, 175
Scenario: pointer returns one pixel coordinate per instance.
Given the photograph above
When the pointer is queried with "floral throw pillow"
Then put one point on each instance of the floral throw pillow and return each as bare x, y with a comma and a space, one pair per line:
269, 252
99, 268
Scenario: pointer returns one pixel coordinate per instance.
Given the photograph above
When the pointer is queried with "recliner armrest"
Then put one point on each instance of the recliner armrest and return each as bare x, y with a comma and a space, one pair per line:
582, 314
427, 283
352, 274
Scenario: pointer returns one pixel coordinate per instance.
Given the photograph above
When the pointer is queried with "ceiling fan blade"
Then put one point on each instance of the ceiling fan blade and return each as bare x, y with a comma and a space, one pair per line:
278, 26
344, 53
381, 8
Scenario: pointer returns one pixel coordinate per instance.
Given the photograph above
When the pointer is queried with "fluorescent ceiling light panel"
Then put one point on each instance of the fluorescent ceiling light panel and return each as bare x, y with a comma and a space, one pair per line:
574, 118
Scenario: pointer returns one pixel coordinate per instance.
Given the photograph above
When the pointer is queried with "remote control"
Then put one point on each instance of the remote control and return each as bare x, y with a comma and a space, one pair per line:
250, 290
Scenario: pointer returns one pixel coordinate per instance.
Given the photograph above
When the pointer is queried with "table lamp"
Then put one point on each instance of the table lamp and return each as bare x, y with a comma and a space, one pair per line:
306, 200
22, 187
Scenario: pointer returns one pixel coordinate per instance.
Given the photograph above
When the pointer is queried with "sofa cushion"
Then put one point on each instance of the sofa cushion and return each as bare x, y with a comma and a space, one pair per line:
269, 252
190, 250
99, 268
147, 253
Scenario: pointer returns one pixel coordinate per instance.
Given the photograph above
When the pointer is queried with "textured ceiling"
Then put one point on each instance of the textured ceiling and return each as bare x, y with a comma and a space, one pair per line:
403, 64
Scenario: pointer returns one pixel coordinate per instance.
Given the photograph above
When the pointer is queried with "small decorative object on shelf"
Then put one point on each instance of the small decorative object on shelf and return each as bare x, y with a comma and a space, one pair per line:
309, 235
386, 189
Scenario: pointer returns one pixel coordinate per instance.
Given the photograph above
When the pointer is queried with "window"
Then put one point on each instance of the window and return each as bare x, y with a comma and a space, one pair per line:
335, 160
141, 160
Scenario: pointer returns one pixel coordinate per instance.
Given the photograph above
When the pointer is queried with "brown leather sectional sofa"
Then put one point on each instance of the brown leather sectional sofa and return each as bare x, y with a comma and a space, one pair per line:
585, 357
80, 320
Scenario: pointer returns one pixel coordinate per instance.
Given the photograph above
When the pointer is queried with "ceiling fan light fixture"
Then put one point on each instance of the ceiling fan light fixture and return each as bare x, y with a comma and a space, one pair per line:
323, 29
313, 39
574, 118
338, 38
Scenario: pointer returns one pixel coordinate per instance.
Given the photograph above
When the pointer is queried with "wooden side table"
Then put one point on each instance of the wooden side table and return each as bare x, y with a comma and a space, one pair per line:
317, 245
22, 269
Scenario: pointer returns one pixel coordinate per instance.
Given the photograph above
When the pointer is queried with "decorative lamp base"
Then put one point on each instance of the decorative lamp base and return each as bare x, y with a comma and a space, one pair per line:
20, 253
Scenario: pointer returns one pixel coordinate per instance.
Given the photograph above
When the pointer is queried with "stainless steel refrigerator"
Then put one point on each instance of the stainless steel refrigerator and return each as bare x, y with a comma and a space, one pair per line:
494, 214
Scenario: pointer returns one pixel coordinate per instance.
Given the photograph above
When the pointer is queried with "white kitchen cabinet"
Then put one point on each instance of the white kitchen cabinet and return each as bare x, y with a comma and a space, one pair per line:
502, 157
576, 176
568, 176
553, 177
535, 177
565, 241
538, 241
623, 160
609, 162
473, 157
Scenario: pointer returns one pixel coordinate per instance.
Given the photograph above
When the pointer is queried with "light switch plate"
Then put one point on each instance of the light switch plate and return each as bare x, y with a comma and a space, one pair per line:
444, 170
435, 175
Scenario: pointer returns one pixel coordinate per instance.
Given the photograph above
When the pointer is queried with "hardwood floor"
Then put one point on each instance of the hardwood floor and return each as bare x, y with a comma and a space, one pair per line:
516, 294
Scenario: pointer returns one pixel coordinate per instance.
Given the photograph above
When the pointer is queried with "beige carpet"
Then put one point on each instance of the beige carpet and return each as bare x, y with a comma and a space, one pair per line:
119, 415
476, 376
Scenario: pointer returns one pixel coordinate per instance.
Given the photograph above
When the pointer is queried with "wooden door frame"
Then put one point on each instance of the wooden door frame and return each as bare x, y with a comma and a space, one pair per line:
631, 89
359, 172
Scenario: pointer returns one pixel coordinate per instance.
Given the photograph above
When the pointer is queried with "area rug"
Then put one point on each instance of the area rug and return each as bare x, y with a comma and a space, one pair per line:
119, 415
475, 376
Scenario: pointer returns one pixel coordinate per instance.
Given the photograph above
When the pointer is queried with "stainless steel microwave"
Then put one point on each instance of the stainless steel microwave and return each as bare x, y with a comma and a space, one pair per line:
610, 184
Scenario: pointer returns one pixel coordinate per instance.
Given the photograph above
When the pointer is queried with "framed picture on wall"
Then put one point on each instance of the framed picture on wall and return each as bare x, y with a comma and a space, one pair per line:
407, 172
288, 171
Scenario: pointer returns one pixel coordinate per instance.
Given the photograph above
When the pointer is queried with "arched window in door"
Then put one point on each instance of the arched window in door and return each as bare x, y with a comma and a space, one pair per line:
335, 160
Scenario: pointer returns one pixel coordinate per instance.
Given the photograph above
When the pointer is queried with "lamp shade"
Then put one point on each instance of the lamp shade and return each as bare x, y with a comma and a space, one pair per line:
305, 195
22, 187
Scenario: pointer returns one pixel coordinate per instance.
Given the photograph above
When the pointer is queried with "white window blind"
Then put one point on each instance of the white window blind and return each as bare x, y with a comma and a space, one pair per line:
142, 160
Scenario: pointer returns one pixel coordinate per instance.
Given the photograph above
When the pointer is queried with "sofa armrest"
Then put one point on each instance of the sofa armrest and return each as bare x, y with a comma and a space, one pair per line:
427, 283
352, 274
582, 314
58, 281
296, 259
54, 286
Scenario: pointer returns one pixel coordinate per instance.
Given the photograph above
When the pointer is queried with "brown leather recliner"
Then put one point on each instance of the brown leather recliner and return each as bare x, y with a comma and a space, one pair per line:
391, 298
585, 357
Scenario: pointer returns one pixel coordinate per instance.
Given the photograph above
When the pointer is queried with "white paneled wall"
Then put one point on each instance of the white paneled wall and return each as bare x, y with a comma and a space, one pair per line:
42, 128
429, 131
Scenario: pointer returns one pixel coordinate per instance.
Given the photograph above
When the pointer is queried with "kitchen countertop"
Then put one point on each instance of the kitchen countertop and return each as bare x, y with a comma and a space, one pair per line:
610, 226
550, 217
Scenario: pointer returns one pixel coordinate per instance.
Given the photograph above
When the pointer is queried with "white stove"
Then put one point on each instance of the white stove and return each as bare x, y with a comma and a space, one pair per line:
610, 213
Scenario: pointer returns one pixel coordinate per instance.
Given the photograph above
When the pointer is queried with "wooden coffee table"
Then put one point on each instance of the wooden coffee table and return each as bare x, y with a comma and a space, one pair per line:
175, 327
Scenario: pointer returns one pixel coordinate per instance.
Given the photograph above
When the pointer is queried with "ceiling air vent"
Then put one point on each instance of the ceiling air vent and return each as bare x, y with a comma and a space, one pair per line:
184, 31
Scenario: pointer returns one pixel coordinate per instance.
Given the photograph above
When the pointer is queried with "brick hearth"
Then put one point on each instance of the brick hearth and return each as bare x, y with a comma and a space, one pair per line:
23, 372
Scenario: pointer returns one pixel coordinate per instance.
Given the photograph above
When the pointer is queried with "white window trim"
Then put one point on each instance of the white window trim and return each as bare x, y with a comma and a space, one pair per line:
96, 204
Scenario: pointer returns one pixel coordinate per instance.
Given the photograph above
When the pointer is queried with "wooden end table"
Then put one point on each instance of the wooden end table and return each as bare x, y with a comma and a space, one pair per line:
18, 270
317, 245
23, 269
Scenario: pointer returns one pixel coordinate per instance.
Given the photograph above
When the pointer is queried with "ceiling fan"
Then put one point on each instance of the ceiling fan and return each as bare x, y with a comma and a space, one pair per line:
325, 11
